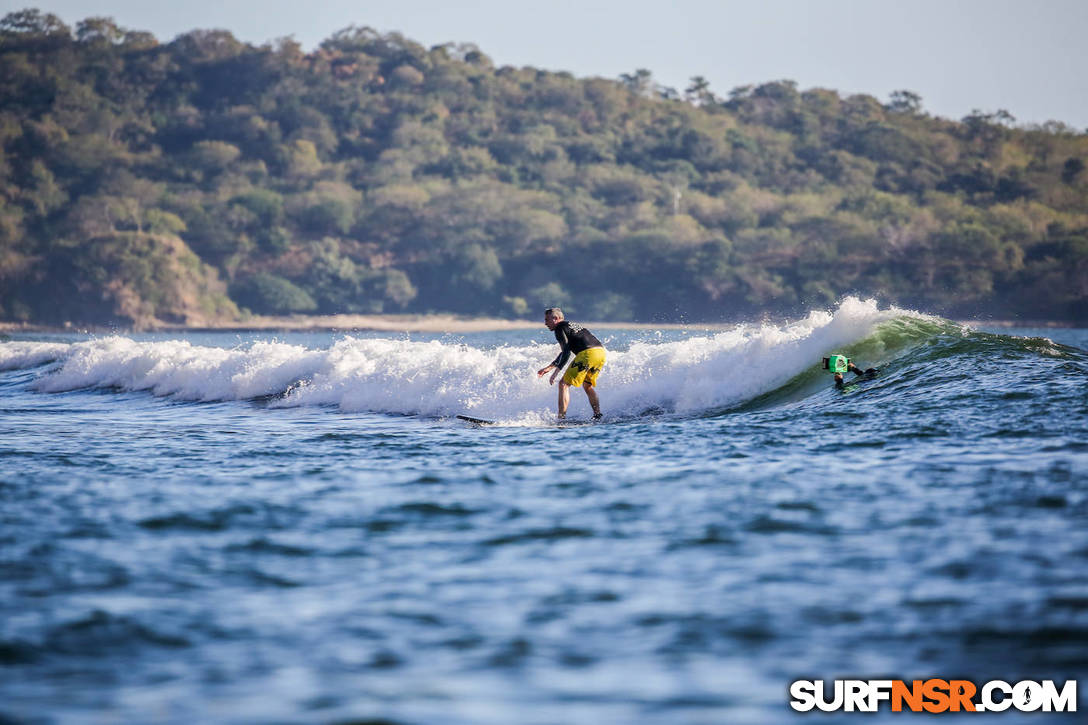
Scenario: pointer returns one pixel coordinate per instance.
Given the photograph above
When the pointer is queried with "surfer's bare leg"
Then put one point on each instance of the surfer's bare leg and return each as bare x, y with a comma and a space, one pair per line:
564, 398
591, 393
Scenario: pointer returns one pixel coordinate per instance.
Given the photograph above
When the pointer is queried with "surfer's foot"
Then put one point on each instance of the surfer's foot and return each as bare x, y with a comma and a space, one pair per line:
597, 416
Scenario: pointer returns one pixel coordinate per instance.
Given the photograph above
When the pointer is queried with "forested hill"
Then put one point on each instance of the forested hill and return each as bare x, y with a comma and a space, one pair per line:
194, 180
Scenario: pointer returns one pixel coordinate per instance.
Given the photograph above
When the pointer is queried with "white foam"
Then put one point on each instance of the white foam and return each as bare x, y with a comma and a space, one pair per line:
436, 378
20, 355
178, 369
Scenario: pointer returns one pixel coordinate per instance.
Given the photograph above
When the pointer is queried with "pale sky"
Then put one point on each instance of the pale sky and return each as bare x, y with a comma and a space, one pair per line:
1030, 58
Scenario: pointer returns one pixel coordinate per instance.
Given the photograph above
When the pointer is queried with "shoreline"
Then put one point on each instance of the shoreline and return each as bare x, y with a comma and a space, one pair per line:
436, 323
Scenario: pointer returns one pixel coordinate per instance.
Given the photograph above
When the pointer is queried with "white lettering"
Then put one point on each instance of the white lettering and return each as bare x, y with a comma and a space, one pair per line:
1027, 696
803, 693
821, 700
987, 696
994, 696
878, 690
1064, 701
855, 695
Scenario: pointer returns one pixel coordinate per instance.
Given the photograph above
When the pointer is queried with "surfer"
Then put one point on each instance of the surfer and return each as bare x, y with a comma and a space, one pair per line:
840, 364
589, 358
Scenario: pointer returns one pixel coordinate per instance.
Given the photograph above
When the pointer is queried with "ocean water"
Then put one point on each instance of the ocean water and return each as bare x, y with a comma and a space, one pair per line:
256, 528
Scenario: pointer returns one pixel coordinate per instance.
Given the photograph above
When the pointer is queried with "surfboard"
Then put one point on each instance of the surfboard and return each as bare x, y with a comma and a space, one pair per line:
558, 424
573, 422
475, 421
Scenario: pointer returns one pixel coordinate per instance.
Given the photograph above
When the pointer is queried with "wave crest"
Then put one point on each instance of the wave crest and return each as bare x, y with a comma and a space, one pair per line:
439, 378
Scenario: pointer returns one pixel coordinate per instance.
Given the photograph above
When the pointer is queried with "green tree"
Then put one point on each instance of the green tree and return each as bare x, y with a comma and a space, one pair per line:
268, 294
907, 102
372, 173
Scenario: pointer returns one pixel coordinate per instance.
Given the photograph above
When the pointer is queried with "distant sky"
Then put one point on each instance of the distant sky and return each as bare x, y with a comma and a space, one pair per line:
1028, 57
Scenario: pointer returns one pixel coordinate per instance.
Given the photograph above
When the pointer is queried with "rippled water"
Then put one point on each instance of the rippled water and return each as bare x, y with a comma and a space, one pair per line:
226, 529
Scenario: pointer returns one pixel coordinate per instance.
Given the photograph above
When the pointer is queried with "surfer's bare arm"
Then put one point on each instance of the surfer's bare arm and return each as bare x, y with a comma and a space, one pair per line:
541, 372
858, 371
561, 359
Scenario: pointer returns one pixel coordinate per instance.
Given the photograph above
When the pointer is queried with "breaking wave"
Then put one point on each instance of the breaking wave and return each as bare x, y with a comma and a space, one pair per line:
436, 378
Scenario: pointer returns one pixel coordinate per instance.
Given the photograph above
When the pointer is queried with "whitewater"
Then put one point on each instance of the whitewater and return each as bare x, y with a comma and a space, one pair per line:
294, 527
435, 378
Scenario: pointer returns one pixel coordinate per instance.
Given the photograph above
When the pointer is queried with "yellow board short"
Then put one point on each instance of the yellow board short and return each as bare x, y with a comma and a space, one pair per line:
585, 368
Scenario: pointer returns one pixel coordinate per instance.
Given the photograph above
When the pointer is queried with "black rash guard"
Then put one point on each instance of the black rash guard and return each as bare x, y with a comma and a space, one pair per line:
572, 338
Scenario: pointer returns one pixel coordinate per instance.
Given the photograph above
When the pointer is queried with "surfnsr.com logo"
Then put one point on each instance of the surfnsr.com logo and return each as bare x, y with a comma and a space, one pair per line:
933, 695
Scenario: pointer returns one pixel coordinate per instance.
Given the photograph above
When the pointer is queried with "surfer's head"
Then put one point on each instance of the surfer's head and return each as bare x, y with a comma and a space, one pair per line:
552, 317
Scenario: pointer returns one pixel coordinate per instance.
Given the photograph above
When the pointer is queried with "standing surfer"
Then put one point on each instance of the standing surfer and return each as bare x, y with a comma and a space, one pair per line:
589, 358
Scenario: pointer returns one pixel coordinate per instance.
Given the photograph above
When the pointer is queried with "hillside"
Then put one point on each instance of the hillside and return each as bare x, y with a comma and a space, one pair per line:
192, 181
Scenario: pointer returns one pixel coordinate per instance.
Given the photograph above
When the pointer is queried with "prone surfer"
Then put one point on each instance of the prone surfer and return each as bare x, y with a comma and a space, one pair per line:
840, 364
589, 358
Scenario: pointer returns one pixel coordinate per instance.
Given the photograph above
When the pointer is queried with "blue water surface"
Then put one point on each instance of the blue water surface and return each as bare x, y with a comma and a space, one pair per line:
242, 561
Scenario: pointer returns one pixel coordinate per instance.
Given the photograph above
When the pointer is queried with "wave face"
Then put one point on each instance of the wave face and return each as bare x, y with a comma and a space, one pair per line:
439, 378
760, 365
